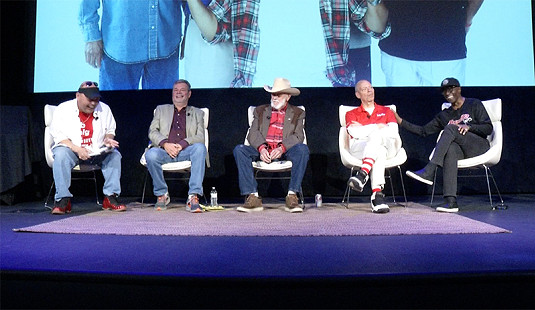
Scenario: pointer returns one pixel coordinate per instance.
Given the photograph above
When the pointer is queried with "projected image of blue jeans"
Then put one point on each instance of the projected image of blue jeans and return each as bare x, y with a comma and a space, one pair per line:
142, 37
154, 74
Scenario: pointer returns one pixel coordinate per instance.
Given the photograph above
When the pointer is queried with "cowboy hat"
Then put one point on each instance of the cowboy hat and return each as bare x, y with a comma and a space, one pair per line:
281, 85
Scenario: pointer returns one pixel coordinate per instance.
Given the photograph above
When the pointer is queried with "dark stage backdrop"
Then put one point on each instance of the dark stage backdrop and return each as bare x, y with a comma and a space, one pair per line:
228, 124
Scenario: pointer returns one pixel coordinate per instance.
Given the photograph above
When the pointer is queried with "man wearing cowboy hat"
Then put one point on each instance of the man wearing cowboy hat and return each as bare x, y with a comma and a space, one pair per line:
276, 133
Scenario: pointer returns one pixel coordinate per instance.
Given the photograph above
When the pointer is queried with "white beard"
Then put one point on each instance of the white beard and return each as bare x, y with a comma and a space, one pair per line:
277, 105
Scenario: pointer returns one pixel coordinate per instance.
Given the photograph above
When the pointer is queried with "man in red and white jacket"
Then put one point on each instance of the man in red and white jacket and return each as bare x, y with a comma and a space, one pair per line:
374, 139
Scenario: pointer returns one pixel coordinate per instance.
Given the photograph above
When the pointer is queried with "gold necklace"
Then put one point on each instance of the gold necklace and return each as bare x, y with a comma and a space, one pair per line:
86, 119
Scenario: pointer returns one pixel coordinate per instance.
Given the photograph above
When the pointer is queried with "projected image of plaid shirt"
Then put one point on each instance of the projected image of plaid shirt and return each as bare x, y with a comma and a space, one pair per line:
238, 21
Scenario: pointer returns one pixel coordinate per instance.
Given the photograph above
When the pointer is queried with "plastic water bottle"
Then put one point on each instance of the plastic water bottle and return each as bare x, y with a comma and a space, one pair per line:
213, 197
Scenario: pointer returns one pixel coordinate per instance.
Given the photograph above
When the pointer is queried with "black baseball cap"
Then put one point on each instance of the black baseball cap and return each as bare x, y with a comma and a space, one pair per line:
90, 92
449, 82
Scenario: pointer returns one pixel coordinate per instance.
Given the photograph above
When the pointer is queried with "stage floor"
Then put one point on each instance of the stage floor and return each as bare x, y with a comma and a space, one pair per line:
415, 271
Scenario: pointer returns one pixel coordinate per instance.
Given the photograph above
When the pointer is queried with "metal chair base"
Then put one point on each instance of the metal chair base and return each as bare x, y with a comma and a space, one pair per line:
94, 178
488, 175
185, 179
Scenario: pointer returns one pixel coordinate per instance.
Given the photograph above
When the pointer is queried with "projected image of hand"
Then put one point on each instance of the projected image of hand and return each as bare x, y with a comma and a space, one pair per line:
93, 53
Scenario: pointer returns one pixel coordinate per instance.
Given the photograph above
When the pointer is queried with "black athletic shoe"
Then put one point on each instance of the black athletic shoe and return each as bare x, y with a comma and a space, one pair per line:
358, 181
424, 175
378, 203
449, 206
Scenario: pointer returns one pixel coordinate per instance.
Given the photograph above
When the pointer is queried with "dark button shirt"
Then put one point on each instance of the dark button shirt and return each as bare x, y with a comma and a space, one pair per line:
177, 133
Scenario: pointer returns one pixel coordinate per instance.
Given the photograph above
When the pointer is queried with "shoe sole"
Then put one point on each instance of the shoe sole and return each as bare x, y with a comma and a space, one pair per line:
114, 210
355, 184
447, 210
418, 178
381, 210
249, 210
118, 210
293, 210
199, 210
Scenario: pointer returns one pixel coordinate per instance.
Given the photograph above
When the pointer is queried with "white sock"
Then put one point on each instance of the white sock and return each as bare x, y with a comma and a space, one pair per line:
291, 193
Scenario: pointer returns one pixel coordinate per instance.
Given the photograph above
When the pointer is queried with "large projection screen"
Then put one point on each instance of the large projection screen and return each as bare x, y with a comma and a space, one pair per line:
499, 45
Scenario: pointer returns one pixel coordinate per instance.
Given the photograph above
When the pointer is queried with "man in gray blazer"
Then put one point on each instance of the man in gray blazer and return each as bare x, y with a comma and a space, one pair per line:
177, 134
276, 133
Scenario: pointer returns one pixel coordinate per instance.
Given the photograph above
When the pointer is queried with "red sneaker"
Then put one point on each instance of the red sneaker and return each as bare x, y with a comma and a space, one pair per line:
62, 206
110, 203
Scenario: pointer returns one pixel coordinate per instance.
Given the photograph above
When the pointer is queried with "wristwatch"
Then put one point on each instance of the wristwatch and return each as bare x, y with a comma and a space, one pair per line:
374, 2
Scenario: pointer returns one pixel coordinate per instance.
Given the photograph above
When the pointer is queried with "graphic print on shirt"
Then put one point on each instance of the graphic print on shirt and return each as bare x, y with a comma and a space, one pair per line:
464, 118
86, 129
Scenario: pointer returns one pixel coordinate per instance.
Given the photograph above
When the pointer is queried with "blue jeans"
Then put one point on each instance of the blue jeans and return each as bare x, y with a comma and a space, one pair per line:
245, 155
65, 160
154, 74
156, 157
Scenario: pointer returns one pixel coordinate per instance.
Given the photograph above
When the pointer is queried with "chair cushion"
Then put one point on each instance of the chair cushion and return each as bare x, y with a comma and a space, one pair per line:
178, 166
181, 165
277, 166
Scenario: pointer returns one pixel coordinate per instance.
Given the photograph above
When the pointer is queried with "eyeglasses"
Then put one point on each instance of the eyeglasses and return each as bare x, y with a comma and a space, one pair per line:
89, 83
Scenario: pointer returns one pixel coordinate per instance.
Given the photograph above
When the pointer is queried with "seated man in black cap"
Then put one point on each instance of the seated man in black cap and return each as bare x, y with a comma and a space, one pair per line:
84, 132
466, 125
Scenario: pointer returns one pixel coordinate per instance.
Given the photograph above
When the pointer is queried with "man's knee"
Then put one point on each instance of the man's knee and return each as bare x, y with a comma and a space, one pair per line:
301, 150
151, 155
451, 129
376, 137
63, 153
115, 157
240, 150
198, 149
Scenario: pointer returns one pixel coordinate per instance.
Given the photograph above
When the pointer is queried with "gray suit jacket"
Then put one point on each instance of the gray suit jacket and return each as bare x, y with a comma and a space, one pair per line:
292, 133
